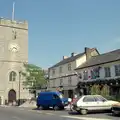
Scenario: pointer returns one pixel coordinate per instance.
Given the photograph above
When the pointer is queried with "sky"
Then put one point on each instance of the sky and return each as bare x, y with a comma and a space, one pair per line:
60, 27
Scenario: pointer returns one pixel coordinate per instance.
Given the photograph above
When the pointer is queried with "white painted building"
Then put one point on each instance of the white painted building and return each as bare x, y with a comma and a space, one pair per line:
63, 73
104, 66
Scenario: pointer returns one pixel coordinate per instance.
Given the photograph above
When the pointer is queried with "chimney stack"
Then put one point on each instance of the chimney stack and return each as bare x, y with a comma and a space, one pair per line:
88, 52
65, 57
73, 54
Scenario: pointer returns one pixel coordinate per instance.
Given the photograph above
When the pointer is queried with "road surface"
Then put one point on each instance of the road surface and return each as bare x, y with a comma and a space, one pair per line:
15, 113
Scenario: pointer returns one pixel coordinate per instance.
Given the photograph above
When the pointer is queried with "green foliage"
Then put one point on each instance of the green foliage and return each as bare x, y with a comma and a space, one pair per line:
95, 90
105, 91
34, 76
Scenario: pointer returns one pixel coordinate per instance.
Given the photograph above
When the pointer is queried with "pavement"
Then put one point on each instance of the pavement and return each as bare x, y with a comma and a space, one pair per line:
19, 113
29, 103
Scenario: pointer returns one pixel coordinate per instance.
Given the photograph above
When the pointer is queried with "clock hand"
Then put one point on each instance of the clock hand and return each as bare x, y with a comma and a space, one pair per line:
14, 48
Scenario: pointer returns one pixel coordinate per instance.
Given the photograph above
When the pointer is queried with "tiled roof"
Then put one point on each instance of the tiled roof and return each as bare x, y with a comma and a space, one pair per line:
67, 60
101, 59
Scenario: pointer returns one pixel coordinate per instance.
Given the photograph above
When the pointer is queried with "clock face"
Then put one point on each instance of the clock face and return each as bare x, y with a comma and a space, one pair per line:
14, 47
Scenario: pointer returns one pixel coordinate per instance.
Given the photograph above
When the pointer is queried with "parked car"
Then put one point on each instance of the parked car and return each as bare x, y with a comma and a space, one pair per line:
116, 109
51, 99
88, 103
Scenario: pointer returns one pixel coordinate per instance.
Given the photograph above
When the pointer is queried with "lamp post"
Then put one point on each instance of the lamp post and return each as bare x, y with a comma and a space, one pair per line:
19, 87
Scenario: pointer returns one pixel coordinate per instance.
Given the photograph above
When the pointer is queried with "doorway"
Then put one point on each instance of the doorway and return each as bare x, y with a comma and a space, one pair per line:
11, 96
70, 93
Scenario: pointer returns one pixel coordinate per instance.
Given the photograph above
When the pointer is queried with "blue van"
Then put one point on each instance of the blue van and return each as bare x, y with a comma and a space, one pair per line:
51, 99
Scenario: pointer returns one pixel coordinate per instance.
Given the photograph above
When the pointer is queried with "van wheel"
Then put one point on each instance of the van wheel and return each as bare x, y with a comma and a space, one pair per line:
62, 108
83, 111
40, 107
56, 107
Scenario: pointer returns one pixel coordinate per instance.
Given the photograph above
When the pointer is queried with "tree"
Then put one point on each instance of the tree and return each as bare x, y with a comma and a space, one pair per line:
95, 90
34, 77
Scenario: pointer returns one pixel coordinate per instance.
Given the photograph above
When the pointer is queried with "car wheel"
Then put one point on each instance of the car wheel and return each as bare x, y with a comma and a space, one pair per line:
115, 113
83, 111
56, 107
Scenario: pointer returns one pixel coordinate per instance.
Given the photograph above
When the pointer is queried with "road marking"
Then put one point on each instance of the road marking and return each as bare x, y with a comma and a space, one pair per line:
70, 117
31, 111
39, 111
84, 118
22, 109
35, 111
16, 118
49, 113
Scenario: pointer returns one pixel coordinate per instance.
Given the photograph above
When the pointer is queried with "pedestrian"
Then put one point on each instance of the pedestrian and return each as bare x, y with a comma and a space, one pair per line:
72, 102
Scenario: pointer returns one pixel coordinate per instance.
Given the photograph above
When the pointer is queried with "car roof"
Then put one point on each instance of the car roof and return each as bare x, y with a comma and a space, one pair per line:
49, 92
91, 95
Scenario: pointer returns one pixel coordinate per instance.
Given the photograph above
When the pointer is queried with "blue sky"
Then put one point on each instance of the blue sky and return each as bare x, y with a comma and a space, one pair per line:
59, 27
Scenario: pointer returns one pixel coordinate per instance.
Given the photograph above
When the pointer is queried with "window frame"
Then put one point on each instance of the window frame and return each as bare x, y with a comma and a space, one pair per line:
12, 76
85, 75
61, 81
60, 69
55, 96
69, 67
117, 70
53, 71
14, 34
100, 99
93, 76
69, 80
89, 97
107, 71
53, 82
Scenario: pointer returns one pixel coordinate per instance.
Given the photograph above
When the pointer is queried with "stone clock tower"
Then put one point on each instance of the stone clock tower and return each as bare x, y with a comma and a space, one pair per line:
13, 54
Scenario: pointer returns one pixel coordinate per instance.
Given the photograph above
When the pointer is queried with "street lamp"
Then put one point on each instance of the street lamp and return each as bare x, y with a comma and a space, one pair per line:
19, 87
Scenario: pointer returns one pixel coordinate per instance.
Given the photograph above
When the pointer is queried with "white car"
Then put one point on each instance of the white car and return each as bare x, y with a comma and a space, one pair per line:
87, 103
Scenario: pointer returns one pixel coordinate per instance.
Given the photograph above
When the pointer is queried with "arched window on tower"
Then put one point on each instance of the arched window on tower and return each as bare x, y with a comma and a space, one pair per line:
12, 76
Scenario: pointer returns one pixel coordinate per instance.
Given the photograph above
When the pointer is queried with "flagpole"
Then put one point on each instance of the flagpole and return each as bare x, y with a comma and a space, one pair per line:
13, 11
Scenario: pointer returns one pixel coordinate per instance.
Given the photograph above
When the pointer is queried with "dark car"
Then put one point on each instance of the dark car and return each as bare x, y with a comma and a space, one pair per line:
116, 109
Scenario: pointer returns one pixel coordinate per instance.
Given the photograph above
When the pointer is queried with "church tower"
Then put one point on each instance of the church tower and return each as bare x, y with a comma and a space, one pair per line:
13, 55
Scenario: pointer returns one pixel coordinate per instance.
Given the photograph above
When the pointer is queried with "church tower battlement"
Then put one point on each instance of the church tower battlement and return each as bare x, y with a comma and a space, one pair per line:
13, 23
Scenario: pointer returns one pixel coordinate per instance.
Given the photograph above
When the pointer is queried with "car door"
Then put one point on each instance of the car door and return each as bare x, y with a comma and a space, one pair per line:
89, 103
55, 100
101, 103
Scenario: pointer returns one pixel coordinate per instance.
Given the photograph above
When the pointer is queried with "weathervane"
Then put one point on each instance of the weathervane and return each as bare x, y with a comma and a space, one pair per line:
13, 11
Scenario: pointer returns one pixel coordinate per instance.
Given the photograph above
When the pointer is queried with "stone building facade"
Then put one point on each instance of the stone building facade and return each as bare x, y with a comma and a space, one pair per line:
63, 76
13, 54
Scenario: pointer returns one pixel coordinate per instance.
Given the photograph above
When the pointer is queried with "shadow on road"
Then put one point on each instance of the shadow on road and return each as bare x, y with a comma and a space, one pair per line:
90, 113
48, 109
113, 115
44, 109
73, 113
